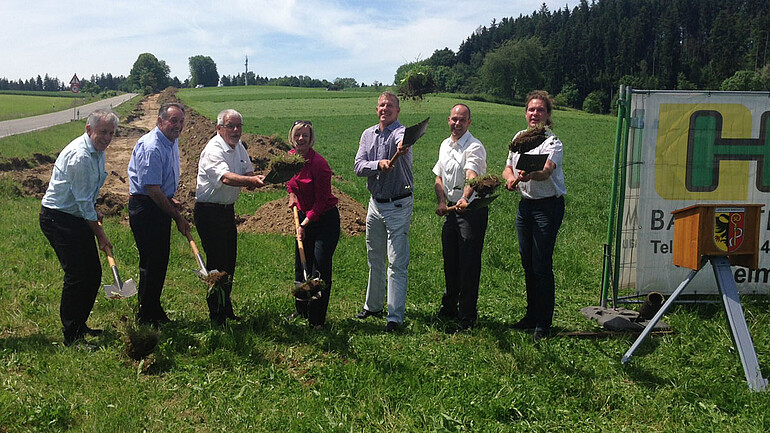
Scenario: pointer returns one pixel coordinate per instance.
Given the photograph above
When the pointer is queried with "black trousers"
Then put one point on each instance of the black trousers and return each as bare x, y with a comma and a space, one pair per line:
73, 241
219, 237
537, 225
320, 241
152, 234
462, 239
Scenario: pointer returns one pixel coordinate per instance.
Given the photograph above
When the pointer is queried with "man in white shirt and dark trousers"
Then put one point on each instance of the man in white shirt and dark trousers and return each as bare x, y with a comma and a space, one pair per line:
461, 157
224, 167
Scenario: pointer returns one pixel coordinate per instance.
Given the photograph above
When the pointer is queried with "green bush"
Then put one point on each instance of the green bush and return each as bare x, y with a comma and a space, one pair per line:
595, 102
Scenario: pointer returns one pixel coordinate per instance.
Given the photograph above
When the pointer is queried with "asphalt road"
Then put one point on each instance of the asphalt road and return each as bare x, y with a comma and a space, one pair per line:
27, 124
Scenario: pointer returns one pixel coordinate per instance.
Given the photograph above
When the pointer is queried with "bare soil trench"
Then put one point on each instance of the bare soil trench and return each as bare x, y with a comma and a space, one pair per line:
32, 176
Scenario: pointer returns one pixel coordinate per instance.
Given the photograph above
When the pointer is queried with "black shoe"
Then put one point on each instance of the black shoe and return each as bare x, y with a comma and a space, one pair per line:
293, 315
93, 332
391, 326
233, 317
525, 324
541, 332
446, 314
366, 313
71, 339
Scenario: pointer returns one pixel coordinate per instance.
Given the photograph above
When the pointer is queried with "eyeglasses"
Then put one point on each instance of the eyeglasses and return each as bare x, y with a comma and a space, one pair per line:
303, 122
232, 126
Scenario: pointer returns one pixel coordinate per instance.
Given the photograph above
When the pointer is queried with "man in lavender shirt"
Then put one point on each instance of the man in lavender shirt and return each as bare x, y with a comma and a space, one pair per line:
389, 213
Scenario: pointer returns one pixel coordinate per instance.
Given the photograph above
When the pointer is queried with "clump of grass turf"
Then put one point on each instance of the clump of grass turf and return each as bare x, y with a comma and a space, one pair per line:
283, 167
484, 185
529, 139
310, 289
139, 340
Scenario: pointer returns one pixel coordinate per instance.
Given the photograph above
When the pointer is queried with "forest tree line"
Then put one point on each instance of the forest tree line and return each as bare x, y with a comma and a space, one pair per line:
588, 51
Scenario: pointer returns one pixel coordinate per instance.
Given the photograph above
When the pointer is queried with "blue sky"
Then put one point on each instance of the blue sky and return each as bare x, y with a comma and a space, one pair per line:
323, 39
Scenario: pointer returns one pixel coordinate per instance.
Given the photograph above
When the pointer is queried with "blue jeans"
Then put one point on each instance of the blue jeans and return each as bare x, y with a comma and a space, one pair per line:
537, 224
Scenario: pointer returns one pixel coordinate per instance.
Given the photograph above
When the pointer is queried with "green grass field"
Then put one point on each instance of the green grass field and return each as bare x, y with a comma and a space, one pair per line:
23, 104
270, 374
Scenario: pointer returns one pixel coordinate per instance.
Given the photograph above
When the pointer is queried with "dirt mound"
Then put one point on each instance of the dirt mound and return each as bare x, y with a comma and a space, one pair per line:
34, 173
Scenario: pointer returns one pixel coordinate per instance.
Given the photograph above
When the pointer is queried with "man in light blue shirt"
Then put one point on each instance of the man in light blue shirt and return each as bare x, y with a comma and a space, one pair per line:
153, 175
69, 220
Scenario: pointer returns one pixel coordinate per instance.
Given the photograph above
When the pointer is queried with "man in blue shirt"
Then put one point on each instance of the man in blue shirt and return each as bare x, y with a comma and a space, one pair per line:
153, 174
69, 220
390, 211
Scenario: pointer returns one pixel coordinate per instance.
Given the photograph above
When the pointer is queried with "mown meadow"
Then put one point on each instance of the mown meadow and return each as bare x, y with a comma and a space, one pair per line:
15, 105
267, 373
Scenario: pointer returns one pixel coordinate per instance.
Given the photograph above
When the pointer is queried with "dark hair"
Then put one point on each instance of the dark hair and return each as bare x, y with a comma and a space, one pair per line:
546, 98
163, 112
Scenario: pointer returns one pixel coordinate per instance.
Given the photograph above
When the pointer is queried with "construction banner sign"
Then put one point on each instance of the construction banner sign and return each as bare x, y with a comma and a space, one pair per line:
687, 148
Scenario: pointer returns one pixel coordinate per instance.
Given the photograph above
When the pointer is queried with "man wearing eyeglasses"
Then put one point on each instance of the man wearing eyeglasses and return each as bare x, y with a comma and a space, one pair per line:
153, 178
224, 167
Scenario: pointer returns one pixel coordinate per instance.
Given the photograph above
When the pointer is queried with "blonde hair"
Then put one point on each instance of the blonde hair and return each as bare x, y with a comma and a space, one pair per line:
301, 124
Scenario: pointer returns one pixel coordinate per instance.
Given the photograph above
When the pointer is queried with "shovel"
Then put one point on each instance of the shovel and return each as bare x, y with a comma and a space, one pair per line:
411, 135
121, 289
202, 273
303, 289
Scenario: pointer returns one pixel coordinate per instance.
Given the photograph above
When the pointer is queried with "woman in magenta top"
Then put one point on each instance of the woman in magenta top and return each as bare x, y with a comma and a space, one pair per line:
310, 191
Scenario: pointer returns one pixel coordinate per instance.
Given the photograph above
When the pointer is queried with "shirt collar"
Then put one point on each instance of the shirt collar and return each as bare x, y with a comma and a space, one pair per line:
224, 145
162, 137
390, 127
90, 144
462, 142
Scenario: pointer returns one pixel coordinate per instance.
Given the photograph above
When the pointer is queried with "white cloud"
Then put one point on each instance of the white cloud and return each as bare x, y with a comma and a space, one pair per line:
319, 38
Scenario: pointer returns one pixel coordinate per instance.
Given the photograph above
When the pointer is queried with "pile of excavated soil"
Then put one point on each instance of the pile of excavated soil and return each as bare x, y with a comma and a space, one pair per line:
32, 176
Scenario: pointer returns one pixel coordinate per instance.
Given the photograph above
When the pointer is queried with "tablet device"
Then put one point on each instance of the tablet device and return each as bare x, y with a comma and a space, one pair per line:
531, 162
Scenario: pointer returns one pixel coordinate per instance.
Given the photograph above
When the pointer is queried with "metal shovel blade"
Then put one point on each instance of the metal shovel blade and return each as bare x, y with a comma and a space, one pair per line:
113, 291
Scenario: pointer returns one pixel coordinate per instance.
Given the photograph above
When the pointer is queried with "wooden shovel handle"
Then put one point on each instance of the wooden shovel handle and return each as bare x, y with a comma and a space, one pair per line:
192, 244
108, 251
300, 246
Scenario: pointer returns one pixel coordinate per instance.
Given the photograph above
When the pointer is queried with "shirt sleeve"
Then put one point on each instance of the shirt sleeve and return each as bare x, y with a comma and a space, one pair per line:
555, 150
476, 159
215, 167
363, 166
83, 181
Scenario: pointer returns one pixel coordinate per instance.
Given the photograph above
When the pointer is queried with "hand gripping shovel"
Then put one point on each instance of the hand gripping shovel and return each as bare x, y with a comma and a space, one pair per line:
411, 135
121, 289
310, 288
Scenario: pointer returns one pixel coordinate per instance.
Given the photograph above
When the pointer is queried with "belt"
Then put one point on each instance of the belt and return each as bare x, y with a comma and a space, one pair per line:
553, 197
139, 197
398, 197
213, 205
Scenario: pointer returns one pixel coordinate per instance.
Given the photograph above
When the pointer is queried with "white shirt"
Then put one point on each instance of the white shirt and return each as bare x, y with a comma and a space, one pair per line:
554, 185
217, 159
454, 158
